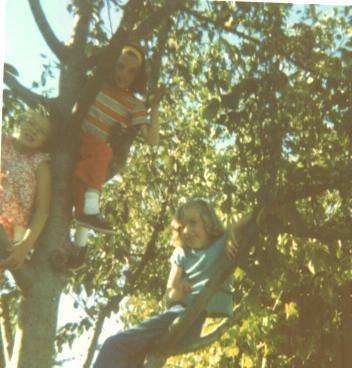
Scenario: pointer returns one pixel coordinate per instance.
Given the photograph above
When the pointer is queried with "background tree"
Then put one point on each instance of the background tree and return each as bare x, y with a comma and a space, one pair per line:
256, 115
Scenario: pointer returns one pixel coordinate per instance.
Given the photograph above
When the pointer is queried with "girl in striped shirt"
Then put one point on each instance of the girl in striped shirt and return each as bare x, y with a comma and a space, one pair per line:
115, 109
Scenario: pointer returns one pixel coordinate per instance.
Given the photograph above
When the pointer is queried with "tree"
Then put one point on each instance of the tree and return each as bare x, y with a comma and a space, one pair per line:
253, 96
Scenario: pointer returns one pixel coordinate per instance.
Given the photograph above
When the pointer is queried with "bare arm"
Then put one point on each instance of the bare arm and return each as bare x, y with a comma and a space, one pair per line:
177, 287
38, 219
232, 235
151, 132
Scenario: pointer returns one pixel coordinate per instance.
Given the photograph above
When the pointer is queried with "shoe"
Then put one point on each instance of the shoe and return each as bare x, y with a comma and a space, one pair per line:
77, 256
95, 222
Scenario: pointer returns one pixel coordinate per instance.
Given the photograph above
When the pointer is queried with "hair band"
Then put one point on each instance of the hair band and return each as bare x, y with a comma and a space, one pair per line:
135, 52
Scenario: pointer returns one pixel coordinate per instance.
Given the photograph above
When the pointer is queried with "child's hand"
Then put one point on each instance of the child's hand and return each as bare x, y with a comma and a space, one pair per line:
17, 256
159, 93
180, 290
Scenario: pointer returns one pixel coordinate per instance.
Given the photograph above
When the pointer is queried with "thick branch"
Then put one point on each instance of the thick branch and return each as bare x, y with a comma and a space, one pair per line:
326, 232
54, 44
25, 94
81, 29
214, 335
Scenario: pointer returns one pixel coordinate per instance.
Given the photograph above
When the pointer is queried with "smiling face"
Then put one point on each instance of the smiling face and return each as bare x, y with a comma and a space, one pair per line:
34, 131
126, 70
192, 230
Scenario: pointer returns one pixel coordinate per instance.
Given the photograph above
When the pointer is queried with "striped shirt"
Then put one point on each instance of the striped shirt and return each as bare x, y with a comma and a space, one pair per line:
113, 107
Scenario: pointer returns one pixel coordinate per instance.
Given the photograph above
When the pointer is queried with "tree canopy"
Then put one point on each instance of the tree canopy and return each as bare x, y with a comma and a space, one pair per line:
256, 114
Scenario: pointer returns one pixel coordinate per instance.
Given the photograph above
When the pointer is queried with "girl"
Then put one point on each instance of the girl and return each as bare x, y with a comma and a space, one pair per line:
25, 198
199, 238
114, 118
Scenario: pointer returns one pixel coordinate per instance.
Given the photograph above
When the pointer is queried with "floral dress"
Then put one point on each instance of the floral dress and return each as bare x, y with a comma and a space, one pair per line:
18, 180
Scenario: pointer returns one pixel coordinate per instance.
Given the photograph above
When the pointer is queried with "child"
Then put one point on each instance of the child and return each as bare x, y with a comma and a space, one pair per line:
26, 186
115, 109
199, 238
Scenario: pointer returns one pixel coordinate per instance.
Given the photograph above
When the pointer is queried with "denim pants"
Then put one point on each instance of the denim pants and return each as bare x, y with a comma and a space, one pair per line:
128, 349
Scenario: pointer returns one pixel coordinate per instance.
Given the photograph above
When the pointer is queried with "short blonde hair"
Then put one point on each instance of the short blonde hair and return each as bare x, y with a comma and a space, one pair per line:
41, 115
211, 221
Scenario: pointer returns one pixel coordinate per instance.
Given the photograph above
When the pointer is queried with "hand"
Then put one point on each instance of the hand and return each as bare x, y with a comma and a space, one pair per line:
232, 243
158, 94
17, 256
180, 290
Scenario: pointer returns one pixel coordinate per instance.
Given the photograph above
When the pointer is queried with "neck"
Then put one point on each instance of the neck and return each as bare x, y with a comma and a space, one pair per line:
19, 147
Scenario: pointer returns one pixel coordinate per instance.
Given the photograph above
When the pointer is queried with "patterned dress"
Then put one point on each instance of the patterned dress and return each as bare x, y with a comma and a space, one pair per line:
18, 179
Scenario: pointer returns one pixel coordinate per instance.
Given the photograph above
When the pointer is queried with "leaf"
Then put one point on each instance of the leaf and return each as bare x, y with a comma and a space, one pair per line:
211, 109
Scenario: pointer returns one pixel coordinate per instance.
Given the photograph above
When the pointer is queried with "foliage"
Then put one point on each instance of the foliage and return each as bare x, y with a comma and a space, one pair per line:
258, 103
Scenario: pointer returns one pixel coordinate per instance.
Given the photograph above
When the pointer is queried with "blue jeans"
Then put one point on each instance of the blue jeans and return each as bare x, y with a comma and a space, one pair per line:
128, 349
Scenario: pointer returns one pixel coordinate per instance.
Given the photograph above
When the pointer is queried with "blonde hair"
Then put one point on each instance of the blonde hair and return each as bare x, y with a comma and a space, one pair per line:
210, 219
40, 115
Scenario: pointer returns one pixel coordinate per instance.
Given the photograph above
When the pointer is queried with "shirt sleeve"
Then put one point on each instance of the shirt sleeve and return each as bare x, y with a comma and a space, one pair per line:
139, 114
177, 257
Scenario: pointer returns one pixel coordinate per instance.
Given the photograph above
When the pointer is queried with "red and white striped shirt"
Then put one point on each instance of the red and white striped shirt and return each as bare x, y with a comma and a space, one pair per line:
113, 107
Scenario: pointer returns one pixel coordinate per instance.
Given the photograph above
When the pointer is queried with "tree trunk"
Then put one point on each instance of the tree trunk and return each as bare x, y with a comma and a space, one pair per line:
36, 328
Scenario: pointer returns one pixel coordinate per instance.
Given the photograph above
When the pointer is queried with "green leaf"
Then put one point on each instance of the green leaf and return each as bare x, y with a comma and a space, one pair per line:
211, 110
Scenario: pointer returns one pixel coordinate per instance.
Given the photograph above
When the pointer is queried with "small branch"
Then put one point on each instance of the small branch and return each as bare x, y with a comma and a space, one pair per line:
81, 30
5, 326
148, 25
54, 44
215, 23
98, 328
25, 94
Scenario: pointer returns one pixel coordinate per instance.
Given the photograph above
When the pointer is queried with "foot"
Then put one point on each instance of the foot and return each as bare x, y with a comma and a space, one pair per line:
95, 222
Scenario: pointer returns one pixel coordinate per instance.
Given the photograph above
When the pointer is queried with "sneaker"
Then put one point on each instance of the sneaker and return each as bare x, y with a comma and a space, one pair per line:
95, 222
77, 256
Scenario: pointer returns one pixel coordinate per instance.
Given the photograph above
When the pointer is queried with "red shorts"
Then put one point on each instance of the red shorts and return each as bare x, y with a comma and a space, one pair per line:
91, 167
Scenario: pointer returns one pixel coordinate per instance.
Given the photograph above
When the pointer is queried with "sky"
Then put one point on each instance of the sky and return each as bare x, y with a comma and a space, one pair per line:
22, 46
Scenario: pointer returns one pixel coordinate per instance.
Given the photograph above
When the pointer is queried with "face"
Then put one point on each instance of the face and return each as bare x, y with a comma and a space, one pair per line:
126, 70
192, 230
34, 132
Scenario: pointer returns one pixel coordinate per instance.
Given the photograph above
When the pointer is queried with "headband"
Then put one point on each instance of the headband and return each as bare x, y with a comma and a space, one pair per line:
135, 52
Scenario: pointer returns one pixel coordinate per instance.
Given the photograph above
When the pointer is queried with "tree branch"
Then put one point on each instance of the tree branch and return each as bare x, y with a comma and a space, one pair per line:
98, 328
5, 326
54, 44
214, 335
298, 63
25, 94
81, 29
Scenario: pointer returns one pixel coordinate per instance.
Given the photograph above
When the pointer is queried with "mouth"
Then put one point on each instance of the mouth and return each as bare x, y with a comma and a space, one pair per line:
29, 137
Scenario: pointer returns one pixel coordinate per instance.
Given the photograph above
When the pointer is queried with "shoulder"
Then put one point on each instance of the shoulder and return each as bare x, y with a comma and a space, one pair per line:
178, 255
218, 244
41, 160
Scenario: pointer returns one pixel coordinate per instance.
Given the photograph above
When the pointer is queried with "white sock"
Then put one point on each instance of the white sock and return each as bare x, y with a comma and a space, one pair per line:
91, 203
81, 236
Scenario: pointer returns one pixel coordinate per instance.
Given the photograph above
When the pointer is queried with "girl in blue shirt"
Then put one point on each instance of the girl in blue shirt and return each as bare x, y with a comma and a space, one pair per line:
199, 239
